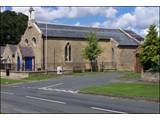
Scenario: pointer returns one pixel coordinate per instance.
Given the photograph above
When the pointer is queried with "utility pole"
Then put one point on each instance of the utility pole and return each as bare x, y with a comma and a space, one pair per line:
54, 59
46, 51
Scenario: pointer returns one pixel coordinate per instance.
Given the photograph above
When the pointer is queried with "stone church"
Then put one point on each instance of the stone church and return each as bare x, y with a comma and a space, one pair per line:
45, 46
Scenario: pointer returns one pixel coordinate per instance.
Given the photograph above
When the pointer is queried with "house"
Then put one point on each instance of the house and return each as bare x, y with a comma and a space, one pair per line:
1, 53
8, 56
9, 53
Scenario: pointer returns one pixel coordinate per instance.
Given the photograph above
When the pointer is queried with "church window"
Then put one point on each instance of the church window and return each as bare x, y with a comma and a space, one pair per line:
26, 41
34, 41
67, 52
113, 55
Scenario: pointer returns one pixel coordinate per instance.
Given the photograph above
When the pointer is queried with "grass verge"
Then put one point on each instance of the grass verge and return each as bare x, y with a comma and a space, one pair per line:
146, 91
39, 76
130, 76
4, 81
32, 77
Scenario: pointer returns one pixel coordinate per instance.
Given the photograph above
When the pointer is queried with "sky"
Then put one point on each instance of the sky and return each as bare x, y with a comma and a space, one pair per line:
137, 19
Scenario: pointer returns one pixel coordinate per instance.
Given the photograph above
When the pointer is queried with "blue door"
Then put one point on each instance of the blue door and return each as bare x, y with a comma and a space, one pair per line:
18, 63
28, 63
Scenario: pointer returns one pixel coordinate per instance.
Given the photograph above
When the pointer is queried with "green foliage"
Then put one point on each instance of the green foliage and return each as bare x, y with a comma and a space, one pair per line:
150, 50
92, 51
12, 27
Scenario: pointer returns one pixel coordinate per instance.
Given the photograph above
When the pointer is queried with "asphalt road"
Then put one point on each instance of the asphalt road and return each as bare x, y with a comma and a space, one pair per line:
61, 96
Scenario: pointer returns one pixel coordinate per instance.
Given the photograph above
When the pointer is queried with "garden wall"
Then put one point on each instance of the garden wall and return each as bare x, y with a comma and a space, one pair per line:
150, 76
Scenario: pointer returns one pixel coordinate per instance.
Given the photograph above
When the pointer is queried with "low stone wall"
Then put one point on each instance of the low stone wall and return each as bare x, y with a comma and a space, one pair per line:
150, 76
14, 75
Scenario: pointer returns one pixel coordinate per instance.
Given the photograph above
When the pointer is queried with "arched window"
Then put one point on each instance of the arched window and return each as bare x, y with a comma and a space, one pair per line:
113, 55
34, 41
26, 41
67, 52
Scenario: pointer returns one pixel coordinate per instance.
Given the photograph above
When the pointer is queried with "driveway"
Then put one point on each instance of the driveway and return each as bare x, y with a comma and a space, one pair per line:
61, 95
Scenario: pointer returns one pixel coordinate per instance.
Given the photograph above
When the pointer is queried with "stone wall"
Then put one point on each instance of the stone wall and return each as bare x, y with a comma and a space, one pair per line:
31, 32
126, 58
56, 53
14, 75
150, 76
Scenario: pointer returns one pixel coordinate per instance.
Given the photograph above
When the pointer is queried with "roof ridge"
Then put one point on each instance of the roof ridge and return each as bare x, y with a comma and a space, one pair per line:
67, 25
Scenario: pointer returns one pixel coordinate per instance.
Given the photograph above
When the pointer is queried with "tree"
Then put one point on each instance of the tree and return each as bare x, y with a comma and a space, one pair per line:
150, 50
12, 26
92, 50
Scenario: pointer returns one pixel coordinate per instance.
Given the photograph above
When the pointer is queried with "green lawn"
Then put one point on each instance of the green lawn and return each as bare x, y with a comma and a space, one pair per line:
130, 76
32, 77
10, 81
39, 76
146, 91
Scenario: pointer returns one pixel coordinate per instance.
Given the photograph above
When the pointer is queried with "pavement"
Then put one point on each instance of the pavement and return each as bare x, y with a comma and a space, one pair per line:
60, 95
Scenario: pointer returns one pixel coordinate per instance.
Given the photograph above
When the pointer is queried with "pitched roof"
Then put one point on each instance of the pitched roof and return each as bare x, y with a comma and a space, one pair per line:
2, 49
54, 30
134, 35
13, 48
27, 51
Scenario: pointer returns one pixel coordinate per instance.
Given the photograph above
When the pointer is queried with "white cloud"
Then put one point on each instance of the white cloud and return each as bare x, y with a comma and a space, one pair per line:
96, 24
77, 24
110, 12
21, 9
49, 14
139, 20
2, 9
146, 16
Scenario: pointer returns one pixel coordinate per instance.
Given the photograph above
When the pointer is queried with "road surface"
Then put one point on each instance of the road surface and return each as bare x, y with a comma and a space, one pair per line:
61, 96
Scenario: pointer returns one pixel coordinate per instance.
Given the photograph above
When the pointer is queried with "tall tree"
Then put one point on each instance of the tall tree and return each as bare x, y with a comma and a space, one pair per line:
12, 26
92, 50
150, 50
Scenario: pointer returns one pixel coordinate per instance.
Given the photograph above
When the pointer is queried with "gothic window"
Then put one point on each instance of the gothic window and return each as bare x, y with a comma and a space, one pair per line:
26, 42
112, 55
34, 41
67, 52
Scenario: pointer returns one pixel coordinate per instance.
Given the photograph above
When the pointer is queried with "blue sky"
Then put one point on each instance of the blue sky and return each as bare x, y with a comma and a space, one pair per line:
135, 18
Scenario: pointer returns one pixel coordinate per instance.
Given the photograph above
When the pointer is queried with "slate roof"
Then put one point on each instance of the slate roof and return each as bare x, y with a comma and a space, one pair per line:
13, 48
64, 31
134, 35
2, 49
27, 51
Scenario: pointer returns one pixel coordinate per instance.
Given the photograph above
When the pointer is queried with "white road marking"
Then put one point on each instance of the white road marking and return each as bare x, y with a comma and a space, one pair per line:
60, 90
53, 85
14, 86
8, 93
47, 100
107, 110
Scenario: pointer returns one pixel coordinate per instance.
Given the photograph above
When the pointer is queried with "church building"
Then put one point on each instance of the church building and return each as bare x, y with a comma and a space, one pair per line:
45, 46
